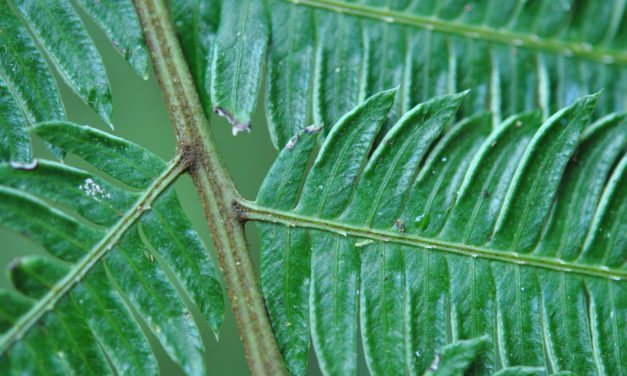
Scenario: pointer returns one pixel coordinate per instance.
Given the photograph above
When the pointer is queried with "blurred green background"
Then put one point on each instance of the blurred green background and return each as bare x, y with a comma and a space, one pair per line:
140, 116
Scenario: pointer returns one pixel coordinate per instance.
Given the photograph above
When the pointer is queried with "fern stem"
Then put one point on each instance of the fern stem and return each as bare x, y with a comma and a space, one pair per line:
251, 211
78, 271
214, 186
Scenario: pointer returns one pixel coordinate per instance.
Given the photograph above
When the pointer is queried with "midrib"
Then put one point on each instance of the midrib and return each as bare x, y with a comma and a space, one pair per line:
80, 269
530, 41
252, 211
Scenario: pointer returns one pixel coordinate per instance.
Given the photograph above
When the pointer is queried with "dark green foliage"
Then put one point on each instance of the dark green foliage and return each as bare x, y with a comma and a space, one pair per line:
28, 93
444, 233
472, 234
85, 301
327, 56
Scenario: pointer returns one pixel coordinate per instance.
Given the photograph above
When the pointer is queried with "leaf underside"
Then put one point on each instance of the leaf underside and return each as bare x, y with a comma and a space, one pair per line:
32, 31
448, 231
323, 57
114, 254
453, 240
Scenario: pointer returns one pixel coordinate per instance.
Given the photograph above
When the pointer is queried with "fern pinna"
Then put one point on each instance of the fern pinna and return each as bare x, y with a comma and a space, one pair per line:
471, 221
449, 231
70, 304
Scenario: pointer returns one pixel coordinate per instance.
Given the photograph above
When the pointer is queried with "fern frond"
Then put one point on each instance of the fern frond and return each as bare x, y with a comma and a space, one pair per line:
109, 248
28, 92
326, 56
449, 232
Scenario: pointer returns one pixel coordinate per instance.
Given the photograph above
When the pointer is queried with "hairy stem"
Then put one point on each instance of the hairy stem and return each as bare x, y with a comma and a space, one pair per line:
214, 186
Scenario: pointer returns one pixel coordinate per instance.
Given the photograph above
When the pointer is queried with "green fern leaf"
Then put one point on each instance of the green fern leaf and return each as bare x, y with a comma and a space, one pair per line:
327, 56
119, 21
58, 28
197, 24
445, 233
109, 239
28, 93
455, 358
240, 50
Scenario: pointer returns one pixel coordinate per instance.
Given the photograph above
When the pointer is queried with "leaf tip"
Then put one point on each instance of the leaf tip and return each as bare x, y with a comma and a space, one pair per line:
237, 126
589, 101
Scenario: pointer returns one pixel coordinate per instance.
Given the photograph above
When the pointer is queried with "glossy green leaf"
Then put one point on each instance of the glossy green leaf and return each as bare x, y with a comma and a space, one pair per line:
117, 157
240, 49
59, 30
334, 332
24, 72
521, 371
290, 63
606, 240
14, 139
339, 76
196, 23
601, 145
113, 325
28, 93
81, 296
327, 56
34, 354
146, 285
60, 234
390, 171
285, 275
33, 277
533, 185
119, 21
455, 358
418, 237
170, 233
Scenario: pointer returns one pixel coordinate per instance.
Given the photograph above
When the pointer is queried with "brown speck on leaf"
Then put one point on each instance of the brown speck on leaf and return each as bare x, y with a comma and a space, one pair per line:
400, 225
436, 363
187, 314
308, 130
485, 193
292, 142
313, 129
237, 125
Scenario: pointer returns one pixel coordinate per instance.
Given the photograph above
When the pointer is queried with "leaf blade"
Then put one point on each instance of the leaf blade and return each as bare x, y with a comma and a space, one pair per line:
71, 51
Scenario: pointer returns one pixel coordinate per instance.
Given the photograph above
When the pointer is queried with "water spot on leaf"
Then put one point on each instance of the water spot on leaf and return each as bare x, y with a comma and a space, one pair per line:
422, 221
24, 165
363, 243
